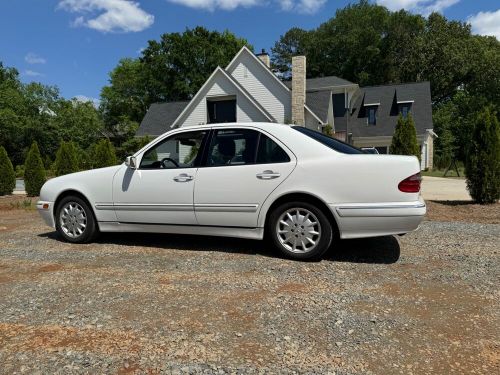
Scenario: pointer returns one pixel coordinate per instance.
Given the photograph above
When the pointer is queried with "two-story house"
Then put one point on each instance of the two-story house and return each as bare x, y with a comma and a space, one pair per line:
248, 91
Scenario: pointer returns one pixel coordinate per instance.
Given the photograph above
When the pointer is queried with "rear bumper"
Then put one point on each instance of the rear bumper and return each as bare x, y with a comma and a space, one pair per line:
46, 210
360, 220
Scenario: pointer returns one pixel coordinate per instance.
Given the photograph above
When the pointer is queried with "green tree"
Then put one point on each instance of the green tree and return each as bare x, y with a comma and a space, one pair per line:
404, 140
36, 112
172, 68
131, 146
104, 154
78, 121
444, 149
293, 43
483, 159
34, 171
127, 96
66, 159
7, 175
369, 45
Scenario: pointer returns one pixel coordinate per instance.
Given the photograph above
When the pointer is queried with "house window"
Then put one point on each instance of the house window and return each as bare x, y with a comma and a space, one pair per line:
372, 115
221, 110
404, 109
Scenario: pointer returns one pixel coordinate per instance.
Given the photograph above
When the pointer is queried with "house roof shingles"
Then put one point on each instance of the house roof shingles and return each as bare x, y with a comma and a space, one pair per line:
318, 102
387, 111
323, 82
159, 118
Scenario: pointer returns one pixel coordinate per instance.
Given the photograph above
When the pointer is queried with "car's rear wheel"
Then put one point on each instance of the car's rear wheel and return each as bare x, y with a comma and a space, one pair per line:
75, 220
300, 230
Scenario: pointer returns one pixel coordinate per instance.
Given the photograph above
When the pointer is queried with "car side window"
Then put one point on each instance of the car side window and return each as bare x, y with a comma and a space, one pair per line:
232, 147
243, 147
270, 152
179, 151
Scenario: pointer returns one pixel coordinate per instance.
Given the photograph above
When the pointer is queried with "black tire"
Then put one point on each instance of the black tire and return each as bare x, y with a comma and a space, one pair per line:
88, 233
323, 241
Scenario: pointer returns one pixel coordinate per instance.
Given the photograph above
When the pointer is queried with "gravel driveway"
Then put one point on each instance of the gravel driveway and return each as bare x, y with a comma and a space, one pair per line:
424, 303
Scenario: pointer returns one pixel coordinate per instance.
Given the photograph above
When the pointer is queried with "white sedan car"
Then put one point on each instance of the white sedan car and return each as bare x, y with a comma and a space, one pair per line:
299, 188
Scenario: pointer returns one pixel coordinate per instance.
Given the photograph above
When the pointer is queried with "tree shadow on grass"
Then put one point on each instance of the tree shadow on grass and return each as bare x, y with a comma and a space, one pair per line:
379, 250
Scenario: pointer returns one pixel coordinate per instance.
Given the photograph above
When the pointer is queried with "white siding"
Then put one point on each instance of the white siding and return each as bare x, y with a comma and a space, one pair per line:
221, 86
268, 92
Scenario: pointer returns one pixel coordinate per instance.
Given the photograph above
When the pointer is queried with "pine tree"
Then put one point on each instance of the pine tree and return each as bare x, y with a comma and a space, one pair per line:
66, 159
104, 155
7, 175
483, 159
404, 140
34, 171
397, 143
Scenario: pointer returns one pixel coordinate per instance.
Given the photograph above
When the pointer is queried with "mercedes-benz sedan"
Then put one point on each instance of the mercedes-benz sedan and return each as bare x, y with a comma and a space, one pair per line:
297, 187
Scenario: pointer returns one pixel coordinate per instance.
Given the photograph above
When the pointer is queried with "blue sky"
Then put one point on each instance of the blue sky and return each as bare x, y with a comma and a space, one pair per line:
74, 44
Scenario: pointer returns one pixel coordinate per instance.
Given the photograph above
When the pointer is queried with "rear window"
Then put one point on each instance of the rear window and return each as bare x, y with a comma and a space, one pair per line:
332, 143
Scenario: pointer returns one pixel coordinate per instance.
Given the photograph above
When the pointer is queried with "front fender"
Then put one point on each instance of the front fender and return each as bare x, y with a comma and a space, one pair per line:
95, 185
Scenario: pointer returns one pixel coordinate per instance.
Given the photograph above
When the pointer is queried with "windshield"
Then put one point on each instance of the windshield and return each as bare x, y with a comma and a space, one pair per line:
332, 143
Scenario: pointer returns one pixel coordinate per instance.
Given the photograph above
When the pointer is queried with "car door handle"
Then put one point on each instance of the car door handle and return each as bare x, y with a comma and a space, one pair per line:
183, 177
268, 175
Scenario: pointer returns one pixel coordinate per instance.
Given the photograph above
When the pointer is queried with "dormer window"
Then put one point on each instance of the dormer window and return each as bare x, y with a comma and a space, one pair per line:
404, 109
371, 114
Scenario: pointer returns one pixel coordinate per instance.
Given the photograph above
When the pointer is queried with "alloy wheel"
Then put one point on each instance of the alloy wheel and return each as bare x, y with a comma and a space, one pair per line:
73, 219
298, 230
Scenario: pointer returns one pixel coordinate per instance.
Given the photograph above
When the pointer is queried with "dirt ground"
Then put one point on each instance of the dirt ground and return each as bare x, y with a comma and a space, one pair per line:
425, 303
463, 211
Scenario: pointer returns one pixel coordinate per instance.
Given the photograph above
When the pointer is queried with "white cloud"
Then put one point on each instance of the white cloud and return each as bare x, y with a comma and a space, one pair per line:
32, 73
300, 6
217, 4
85, 99
486, 23
424, 7
108, 15
33, 58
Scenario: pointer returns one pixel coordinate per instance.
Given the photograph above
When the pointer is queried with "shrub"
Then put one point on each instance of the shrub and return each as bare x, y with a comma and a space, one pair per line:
66, 159
328, 130
20, 171
7, 175
104, 154
34, 171
404, 140
483, 159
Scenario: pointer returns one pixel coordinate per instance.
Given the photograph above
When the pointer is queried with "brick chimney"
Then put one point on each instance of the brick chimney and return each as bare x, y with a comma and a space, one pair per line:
264, 57
298, 89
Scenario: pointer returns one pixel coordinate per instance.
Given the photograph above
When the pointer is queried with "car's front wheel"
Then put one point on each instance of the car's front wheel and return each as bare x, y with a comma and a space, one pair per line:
75, 220
300, 230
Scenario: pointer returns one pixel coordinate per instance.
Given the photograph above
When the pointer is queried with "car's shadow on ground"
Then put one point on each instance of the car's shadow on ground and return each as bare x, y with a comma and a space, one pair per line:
379, 250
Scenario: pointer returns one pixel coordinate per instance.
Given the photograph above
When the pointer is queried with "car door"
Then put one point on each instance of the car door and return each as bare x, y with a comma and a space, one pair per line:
160, 190
242, 167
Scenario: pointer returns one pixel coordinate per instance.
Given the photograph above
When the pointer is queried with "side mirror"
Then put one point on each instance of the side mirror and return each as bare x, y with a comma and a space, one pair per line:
131, 162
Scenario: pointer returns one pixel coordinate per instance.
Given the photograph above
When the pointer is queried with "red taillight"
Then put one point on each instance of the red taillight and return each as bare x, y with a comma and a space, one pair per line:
411, 184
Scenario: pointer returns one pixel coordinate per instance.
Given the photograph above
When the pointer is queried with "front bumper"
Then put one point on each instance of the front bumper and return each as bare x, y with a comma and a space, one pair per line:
46, 210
